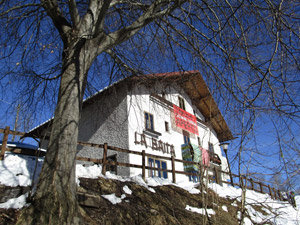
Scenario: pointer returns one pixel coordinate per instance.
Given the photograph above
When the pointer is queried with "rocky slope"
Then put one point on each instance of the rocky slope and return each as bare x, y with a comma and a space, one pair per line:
109, 201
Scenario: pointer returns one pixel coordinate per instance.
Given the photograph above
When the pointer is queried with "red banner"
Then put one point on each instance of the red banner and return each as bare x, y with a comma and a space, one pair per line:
185, 120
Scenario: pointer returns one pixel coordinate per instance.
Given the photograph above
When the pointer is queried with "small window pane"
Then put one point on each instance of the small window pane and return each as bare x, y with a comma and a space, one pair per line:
199, 141
151, 164
181, 103
164, 166
167, 126
157, 164
149, 123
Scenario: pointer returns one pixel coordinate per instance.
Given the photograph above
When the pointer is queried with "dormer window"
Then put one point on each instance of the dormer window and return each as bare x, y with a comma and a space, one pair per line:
181, 103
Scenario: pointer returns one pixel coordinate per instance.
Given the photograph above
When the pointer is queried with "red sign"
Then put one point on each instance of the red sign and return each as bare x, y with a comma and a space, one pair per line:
185, 120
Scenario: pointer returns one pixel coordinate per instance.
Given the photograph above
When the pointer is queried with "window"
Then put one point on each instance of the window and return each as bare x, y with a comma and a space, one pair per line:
211, 148
149, 124
167, 126
181, 103
199, 141
194, 178
154, 163
186, 137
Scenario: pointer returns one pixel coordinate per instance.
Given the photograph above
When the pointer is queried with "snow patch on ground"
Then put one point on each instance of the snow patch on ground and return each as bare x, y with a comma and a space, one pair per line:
127, 190
16, 170
93, 171
224, 207
112, 198
15, 203
200, 210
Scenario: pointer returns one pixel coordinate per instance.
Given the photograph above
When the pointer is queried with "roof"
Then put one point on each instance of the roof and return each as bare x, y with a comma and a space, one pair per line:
192, 83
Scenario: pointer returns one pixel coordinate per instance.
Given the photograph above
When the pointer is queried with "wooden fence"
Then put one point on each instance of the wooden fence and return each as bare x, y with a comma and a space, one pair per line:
243, 181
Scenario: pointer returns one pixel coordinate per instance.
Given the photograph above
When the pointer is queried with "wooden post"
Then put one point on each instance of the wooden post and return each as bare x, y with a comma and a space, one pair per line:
143, 165
200, 178
261, 187
279, 195
173, 169
251, 182
270, 191
275, 195
216, 175
104, 158
4, 142
230, 174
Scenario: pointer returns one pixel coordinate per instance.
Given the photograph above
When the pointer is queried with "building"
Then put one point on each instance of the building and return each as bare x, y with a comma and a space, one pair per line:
157, 113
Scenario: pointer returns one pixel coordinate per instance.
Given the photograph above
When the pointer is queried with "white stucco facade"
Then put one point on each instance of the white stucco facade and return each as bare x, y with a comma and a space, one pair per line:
139, 101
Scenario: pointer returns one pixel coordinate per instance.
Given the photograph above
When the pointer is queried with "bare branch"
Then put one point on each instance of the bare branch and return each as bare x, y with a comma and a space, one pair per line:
60, 22
150, 15
123, 64
74, 12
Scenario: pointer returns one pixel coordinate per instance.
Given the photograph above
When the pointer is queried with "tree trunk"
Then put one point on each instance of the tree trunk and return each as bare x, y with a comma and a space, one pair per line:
55, 199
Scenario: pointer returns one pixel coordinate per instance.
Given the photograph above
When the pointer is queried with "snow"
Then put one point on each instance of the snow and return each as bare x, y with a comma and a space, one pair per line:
19, 170
112, 198
87, 171
127, 190
15, 203
200, 210
224, 207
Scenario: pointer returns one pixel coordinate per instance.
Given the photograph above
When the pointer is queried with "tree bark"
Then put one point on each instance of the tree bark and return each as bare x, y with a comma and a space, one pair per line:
56, 190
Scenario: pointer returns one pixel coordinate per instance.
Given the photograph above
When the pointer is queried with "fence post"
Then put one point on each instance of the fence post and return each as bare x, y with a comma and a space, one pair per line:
261, 187
279, 195
104, 158
251, 182
270, 191
275, 194
4, 142
216, 175
173, 169
143, 164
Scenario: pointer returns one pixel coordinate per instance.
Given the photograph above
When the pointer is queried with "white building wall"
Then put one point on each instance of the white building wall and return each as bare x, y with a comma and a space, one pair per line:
139, 102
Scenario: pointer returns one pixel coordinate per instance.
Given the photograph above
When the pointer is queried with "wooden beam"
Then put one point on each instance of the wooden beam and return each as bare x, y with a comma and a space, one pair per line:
4, 142
201, 99
26, 151
13, 132
161, 99
216, 116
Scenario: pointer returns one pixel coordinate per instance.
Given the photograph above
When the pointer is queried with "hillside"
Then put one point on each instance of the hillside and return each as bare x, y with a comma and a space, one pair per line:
165, 204
116, 200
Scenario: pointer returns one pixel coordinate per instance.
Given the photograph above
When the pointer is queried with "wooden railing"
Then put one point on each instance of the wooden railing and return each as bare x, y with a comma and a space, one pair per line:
243, 181
24, 151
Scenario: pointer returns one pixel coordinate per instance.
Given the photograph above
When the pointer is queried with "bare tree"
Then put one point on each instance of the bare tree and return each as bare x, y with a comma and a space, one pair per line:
248, 52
